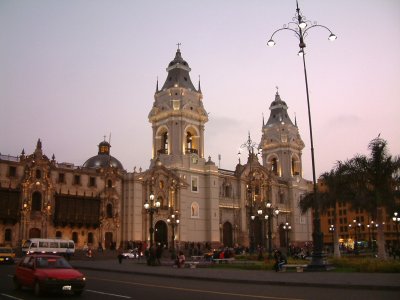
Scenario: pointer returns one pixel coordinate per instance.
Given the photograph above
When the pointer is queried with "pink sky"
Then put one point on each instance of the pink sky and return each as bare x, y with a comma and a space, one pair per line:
74, 71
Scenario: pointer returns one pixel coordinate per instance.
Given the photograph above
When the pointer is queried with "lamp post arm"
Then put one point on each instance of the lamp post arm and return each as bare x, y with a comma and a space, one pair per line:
316, 25
285, 28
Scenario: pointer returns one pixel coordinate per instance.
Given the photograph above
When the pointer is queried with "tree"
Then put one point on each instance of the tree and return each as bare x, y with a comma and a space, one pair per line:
373, 184
328, 197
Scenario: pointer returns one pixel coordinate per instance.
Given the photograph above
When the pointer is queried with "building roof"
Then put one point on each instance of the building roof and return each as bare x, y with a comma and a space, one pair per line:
279, 113
178, 73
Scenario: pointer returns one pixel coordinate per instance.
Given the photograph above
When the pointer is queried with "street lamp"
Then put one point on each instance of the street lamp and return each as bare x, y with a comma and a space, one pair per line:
252, 217
373, 226
173, 220
355, 226
332, 231
151, 207
270, 212
301, 27
287, 227
252, 149
396, 220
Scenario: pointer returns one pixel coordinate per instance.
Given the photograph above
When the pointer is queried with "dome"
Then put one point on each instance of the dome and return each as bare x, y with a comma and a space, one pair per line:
101, 161
103, 158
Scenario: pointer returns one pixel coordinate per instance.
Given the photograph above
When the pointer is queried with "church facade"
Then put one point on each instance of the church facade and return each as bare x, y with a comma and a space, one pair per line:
100, 203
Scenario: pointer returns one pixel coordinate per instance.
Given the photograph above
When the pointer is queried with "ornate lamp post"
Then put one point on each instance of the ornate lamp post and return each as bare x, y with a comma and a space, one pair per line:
173, 220
287, 227
332, 231
151, 207
250, 146
252, 217
396, 220
270, 212
355, 226
373, 226
369, 226
300, 27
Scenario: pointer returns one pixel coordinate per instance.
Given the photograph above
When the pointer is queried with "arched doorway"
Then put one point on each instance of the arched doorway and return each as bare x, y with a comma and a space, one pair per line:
227, 238
34, 233
161, 233
108, 240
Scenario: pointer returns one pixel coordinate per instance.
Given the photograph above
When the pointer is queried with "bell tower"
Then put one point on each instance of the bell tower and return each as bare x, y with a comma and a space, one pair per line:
281, 143
178, 117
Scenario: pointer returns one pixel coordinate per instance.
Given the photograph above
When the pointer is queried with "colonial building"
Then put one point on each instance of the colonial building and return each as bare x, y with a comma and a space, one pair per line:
101, 203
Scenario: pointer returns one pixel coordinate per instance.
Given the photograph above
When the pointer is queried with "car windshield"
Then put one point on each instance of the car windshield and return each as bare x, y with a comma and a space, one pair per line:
52, 263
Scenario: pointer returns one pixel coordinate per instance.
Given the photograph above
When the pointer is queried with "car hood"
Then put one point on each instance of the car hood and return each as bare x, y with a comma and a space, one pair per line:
60, 273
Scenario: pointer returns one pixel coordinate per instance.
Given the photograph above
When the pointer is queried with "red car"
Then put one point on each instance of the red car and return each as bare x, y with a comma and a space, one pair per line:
48, 273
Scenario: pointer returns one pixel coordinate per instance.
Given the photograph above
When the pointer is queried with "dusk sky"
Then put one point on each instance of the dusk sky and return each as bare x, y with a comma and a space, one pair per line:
74, 71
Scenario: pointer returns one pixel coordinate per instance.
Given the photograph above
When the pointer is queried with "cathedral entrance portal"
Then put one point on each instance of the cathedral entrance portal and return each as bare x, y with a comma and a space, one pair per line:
227, 238
34, 233
108, 240
161, 233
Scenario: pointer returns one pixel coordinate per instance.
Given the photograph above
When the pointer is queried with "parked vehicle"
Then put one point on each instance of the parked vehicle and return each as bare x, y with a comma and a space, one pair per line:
48, 273
55, 246
131, 253
7, 255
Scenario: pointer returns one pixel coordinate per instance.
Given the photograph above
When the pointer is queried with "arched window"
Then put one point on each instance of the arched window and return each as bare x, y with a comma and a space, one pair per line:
109, 183
189, 140
274, 166
109, 210
194, 211
257, 190
90, 238
38, 174
165, 142
8, 235
36, 201
58, 234
75, 237
295, 166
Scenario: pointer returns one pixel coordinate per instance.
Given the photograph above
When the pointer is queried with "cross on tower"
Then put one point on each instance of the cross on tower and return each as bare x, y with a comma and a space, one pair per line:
178, 45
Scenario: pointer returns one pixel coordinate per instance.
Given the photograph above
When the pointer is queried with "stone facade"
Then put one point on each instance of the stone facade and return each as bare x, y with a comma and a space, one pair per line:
100, 203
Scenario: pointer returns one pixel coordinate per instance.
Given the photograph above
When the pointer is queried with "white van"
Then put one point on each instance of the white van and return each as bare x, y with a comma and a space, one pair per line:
55, 246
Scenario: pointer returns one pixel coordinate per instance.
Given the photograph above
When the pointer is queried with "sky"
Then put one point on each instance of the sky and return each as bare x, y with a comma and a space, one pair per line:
72, 72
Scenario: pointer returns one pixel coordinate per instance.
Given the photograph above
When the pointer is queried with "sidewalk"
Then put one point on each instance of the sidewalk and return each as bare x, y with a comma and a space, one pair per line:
374, 281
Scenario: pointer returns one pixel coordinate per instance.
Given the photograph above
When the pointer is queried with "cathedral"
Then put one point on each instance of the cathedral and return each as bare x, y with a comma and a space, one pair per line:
182, 197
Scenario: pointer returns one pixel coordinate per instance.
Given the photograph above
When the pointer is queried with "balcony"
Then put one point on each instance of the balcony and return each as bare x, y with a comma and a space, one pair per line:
191, 150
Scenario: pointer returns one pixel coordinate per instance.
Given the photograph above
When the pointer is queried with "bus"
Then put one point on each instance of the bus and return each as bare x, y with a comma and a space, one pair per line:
55, 246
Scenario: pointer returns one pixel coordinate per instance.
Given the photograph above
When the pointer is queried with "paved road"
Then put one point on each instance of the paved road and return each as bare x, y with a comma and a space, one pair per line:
365, 281
116, 285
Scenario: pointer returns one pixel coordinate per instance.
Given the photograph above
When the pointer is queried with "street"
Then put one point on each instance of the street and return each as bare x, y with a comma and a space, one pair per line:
110, 285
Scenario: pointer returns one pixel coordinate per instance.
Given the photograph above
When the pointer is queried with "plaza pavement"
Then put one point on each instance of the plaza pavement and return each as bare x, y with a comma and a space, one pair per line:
328, 279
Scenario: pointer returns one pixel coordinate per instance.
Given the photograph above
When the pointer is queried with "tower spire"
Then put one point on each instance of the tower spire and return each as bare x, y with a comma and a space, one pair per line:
157, 90
199, 89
